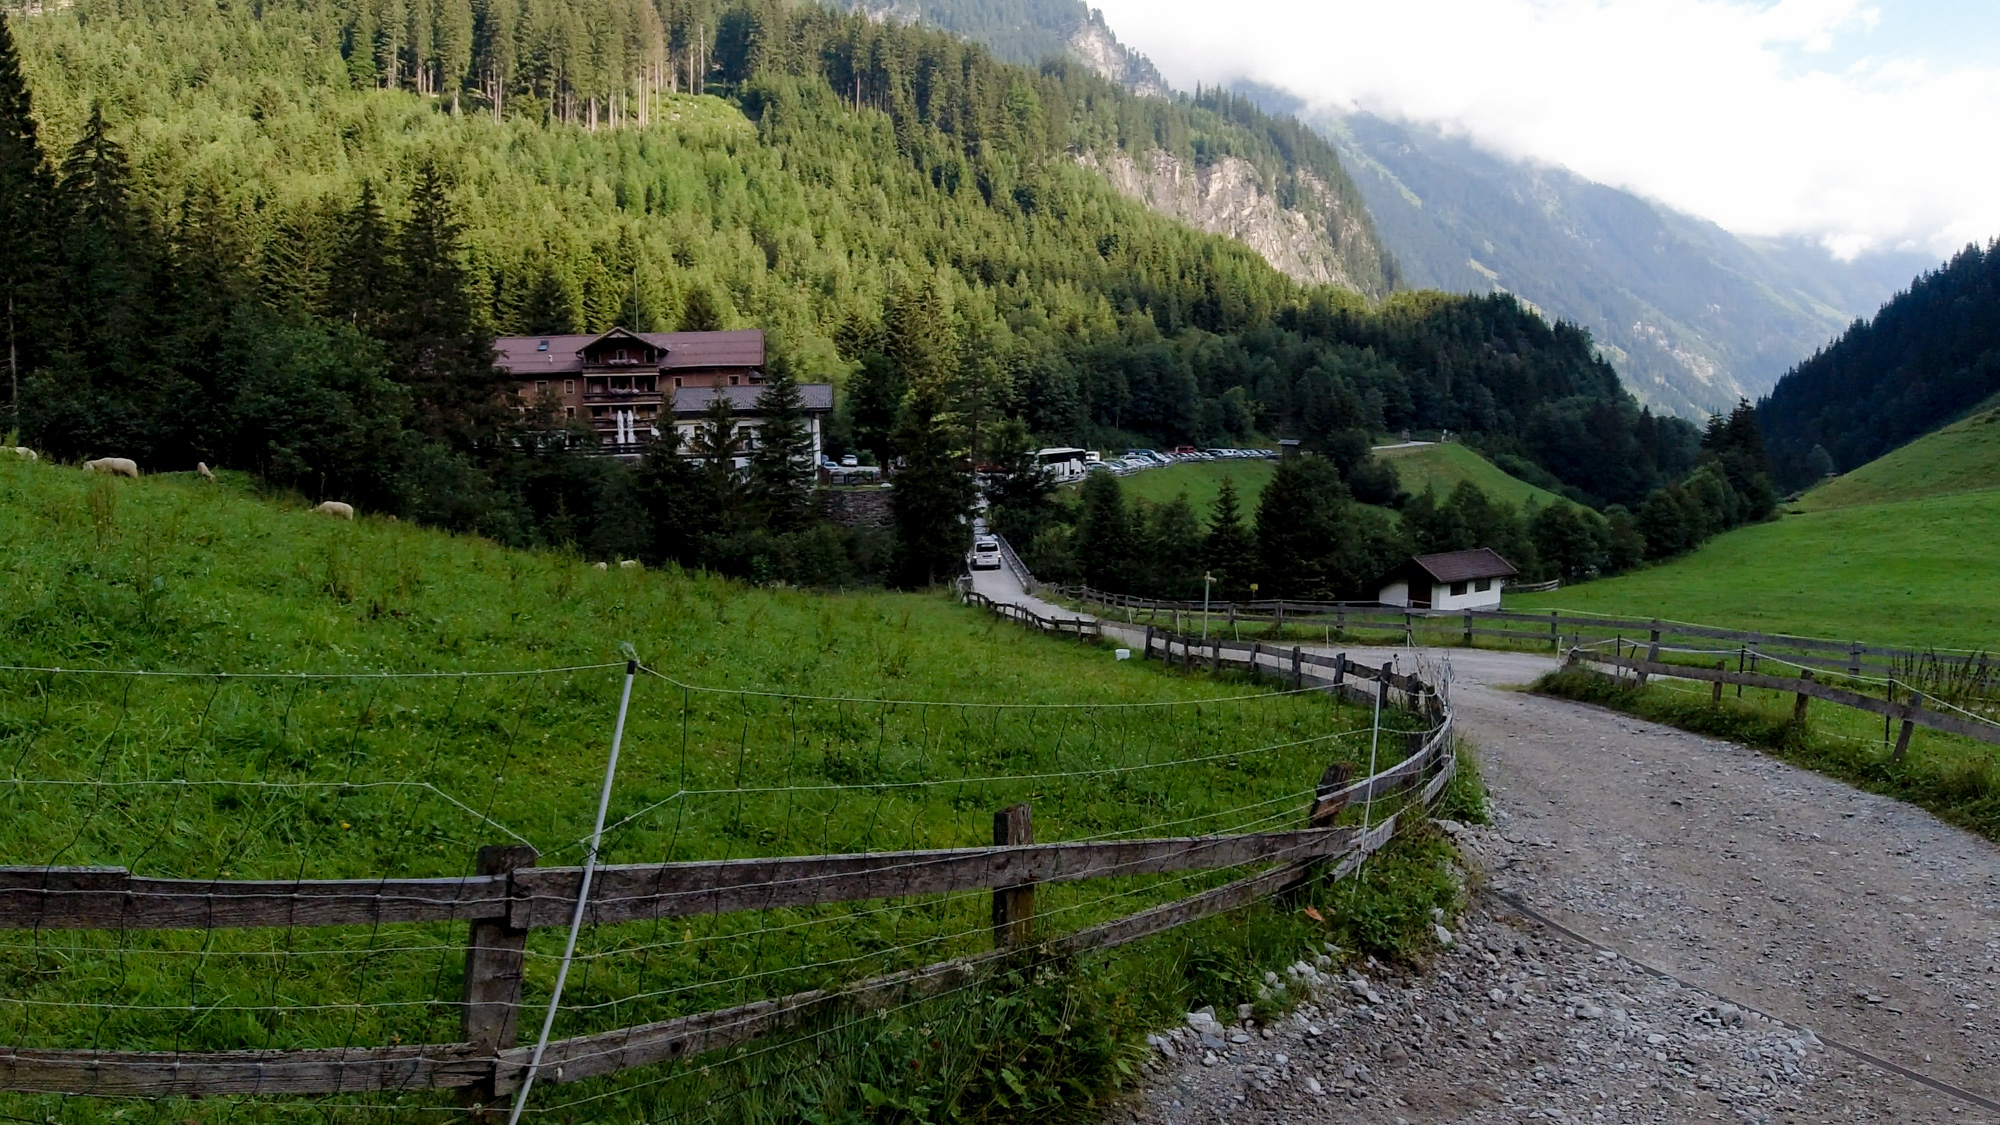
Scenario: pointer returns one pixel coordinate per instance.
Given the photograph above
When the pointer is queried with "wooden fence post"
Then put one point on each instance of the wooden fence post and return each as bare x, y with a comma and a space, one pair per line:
1715, 696
1409, 635
1799, 708
1653, 649
1339, 670
1468, 628
1854, 659
1340, 620
491, 1014
1215, 657
1233, 634
1298, 668
1555, 634
1014, 907
1278, 620
1903, 739
1148, 653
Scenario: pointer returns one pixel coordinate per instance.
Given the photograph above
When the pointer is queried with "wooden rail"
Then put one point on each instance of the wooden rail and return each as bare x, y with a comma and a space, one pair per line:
1805, 688
509, 896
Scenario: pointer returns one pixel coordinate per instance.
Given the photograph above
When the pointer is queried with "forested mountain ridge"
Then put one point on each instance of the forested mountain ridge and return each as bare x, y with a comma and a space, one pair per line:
1929, 356
1259, 178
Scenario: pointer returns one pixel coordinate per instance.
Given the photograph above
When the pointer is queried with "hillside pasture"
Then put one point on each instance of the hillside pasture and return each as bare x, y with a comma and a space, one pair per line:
774, 723
1961, 457
1444, 465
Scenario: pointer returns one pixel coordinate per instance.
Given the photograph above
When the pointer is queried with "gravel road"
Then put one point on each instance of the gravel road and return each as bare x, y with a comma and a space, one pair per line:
1763, 887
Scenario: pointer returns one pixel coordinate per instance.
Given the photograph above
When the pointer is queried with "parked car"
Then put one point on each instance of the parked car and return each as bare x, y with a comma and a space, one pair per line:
985, 553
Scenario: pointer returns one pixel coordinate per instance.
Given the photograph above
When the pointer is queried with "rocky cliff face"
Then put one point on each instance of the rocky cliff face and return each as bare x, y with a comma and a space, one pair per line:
1096, 47
1316, 241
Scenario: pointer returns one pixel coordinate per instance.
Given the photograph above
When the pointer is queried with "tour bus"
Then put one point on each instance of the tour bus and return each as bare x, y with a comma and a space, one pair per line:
1063, 463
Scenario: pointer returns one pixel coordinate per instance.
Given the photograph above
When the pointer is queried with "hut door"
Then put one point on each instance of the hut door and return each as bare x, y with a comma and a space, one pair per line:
1420, 593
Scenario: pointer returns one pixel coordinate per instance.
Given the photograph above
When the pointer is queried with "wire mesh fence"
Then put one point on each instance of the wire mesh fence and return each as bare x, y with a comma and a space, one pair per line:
293, 780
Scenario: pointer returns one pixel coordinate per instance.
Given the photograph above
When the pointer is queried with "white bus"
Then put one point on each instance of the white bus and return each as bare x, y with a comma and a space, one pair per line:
1063, 463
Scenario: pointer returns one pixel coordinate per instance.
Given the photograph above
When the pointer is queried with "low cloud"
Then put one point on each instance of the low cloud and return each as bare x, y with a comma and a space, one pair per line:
1731, 110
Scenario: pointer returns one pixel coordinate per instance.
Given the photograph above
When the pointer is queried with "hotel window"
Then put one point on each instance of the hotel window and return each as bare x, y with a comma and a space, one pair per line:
541, 387
677, 380
569, 386
732, 380
569, 411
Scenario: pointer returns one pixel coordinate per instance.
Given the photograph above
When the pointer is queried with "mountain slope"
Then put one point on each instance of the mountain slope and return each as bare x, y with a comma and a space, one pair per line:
1929, 356
1693, 317
1258, 178
1962, 457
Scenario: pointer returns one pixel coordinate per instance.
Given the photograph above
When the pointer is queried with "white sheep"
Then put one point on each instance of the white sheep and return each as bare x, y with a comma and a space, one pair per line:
121, 466
630, 564
201, 470
603, 566
26, 454
336, 508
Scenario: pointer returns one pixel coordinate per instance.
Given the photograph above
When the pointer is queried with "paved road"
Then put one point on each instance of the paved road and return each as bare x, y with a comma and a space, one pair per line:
1863, 918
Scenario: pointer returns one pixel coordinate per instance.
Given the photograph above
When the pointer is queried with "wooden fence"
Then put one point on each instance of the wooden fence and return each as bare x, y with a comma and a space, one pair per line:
509, 896
1970, 674
1805, 687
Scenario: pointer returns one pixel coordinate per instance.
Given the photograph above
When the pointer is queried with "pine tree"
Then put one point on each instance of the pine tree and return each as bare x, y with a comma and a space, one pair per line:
933, 494
1105, 544
716, 446
874, 401
1173, 550
781, 468
28, 215
549, 310
361, 290
702, 311
1229, 552
441, 352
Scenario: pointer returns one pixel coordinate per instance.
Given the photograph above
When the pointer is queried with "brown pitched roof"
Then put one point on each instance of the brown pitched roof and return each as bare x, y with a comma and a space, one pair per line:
536, 357
1460, 566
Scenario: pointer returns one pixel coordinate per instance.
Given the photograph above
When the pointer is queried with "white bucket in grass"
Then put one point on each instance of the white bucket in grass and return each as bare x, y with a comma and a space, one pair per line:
1124, 654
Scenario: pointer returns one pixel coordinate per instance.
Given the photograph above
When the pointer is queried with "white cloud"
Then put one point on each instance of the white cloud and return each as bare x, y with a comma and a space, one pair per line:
1728, 109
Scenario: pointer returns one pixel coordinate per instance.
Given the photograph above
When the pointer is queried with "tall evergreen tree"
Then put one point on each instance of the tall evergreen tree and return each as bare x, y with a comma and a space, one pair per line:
440, 350
781, 468
549, 310
1105, 543
716, 447
933, 494
28, 215
1230, 552
362, 288
874, 402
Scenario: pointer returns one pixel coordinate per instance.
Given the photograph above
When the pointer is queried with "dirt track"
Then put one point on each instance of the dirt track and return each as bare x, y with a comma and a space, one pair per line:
1856, 916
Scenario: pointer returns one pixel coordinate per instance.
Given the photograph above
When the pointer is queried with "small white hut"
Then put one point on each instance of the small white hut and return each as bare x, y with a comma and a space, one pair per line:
1453, 580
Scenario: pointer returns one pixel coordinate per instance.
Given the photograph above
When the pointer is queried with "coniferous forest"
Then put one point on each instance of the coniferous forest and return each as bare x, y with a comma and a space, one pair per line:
277, 238
1930, 355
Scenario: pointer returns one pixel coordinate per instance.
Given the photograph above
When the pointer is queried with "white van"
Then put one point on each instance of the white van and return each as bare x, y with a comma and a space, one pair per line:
985, 553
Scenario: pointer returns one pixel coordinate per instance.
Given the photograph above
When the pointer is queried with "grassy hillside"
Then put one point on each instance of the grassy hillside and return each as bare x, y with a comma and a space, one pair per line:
1962, 457
1443, 466
769, 738
1914, 572
1201, 481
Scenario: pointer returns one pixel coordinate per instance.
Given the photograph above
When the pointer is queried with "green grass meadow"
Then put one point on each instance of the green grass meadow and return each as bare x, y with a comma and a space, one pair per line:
1201, 482
780, 722
1443, 466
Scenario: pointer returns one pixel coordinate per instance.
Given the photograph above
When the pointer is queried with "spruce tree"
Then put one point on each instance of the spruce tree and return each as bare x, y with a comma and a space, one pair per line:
1230, 552
933, 495
874, 402
1105, 544
361, 290
441, 351
28, 214
781, 468
549, 310
716, 447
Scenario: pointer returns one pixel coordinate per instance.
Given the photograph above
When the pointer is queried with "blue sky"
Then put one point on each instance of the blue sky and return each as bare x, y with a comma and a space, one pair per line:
1863, 124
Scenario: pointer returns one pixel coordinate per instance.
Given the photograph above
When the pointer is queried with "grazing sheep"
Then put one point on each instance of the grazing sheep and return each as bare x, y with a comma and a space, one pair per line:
26, 454
603, 566
201, 470
630, 564
121, 466
336, 508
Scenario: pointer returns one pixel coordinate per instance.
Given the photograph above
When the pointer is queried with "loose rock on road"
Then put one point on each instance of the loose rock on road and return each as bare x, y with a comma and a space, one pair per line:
1761, 886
